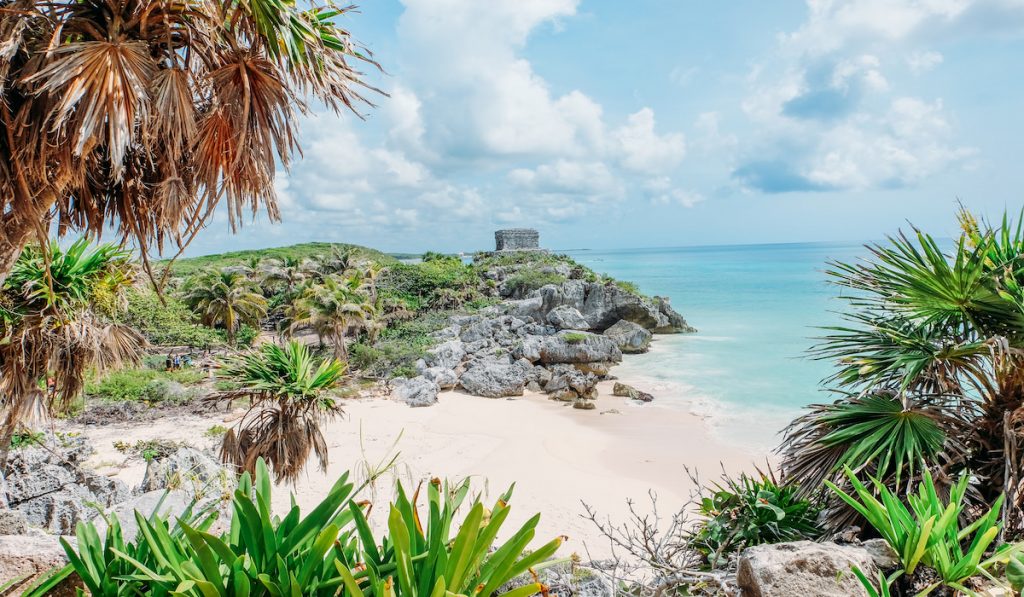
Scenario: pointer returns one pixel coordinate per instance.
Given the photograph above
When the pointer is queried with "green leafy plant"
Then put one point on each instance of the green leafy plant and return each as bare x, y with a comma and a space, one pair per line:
428, 561
927, 532
331, 551
751, 510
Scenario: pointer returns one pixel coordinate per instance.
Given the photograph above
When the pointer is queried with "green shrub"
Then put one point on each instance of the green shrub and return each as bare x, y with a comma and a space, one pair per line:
25, 439
574, 337
331, 551
528, 280
246, 335
928, 532
172, 324
216, 431
147, 385
751, 510
425, 280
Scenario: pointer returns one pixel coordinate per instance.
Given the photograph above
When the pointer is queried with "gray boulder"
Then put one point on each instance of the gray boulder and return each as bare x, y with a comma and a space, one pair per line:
496, 378
31, 557
628, 391
571, 293
417, 391
569, 384
606, 304
630, 337
567, 318
570, 347
51, 490
445, 379
13, 522
809, 569
447, 355
187, 469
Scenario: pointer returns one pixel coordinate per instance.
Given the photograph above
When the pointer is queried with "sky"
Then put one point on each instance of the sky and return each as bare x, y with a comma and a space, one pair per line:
659, 123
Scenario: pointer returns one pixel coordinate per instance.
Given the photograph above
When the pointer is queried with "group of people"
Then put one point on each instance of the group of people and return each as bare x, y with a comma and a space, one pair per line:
177, 361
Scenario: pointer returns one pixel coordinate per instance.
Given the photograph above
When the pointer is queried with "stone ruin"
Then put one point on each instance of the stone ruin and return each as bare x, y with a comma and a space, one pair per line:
516, 239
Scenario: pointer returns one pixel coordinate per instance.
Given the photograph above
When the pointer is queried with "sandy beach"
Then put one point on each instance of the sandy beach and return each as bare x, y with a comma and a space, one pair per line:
558, 457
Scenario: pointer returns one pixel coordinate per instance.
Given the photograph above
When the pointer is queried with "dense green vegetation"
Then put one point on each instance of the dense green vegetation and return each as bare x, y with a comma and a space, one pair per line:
146, 385
330, 551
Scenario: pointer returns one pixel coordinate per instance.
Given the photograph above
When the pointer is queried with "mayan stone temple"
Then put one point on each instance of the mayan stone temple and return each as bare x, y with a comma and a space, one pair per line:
516, 239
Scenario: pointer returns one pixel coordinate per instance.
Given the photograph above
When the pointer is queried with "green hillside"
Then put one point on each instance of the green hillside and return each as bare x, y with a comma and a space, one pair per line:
191, 265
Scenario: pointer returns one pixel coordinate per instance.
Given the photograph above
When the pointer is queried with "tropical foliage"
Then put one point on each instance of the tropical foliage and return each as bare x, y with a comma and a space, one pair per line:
928, 531
57, 321
330, 551
751, 510
143, 115
226, 298
930, 362
291, 394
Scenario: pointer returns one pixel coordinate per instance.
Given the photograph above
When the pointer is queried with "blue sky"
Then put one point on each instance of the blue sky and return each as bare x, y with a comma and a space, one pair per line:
609, 124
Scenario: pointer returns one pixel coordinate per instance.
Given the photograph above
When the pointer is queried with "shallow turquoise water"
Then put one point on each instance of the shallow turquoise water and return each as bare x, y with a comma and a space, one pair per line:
756, 308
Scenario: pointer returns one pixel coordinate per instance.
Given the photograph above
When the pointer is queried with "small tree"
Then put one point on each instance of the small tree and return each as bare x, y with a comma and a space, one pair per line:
291, 395
57, 313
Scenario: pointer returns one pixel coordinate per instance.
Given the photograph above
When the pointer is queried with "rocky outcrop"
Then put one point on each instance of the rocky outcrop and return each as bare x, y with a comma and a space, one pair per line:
496, 378
571, 347
188, 469
628, 391
30, 557
417, 391
810, 569
631, 338
52, 491
565, 317
521, 343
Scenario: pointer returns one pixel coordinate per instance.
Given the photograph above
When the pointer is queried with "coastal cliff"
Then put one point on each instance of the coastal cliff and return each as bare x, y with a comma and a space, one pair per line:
559, 328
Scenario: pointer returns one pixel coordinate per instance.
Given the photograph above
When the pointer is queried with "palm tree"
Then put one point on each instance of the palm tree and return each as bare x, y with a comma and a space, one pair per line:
371, 273
334, 311
57, 320
286, 273
225, 298
291, 396
931, 363
144, 114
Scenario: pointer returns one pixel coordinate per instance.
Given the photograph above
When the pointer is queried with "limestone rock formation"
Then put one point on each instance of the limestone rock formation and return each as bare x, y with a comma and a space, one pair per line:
32, 556
809, 569
571, 347
496, 378
631, 337
628, 391
417, 391
52, 491
188, 469
565, 317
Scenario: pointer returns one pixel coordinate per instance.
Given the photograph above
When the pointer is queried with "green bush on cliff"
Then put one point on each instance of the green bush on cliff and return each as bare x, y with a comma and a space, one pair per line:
528, 280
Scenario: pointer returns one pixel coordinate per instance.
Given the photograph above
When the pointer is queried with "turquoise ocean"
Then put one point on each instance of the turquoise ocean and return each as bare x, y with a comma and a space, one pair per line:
756, 308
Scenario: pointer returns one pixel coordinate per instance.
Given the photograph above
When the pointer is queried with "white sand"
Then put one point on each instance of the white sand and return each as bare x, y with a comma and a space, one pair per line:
557, 456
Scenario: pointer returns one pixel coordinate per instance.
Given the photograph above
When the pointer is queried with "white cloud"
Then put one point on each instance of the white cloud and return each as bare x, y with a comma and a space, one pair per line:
923, 61
830, 118
679, 197
643, 150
